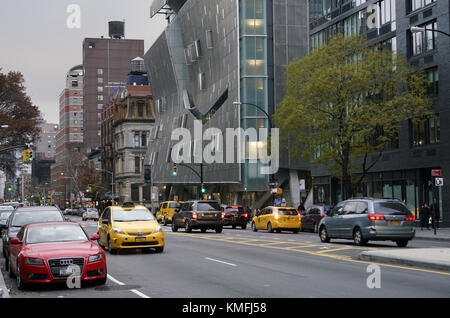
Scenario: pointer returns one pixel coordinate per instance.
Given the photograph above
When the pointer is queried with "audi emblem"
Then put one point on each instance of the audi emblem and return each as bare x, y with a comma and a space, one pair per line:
66, 262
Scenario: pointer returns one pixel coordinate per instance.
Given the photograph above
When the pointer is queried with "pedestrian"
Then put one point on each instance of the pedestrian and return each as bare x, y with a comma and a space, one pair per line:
435, 213
425, 216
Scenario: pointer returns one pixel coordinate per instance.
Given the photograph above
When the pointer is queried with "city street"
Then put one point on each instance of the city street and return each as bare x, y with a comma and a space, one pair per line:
244, 264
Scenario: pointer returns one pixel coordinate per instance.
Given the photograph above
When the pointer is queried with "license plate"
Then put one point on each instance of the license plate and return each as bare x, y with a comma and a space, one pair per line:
395, 222
140, 239
67, 271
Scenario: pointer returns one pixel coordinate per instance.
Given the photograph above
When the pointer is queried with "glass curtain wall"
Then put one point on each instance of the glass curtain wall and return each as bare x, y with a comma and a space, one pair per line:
254, 85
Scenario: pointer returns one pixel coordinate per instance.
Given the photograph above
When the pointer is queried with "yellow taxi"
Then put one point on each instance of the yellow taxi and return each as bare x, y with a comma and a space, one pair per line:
129, 226
167, 210
277, 218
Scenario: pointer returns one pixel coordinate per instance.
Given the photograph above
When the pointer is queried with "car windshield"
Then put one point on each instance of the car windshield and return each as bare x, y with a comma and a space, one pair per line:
132, 215
174, 205
22, 218
92, 210
287, 211
392, 208
4, 214
234, 209
208, 206
55, 233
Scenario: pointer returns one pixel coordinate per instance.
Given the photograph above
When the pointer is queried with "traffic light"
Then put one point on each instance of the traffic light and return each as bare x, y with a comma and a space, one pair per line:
147, 173
203, 189
30, 156
27, 155
175, 171
10, 187
89, 189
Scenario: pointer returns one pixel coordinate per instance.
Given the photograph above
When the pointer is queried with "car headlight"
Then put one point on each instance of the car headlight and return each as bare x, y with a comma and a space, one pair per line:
34, 261
117, 230
158, 229
95, 258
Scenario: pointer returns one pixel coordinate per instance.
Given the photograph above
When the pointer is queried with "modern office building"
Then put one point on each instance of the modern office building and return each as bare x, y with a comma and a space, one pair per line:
213, 54
106, 64
404, 172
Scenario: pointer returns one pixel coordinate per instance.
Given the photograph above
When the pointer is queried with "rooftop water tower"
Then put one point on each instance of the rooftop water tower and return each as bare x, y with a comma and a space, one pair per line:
116, 29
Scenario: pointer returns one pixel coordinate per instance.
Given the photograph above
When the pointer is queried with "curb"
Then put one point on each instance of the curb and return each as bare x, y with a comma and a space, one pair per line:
374, 257
428, 238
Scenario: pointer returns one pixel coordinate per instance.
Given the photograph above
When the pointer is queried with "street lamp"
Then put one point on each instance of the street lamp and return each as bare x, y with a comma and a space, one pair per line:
112, 183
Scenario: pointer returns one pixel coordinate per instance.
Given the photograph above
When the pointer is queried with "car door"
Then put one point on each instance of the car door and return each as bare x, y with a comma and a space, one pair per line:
103, 226
14, 249
259, 219
348, 219
332, 221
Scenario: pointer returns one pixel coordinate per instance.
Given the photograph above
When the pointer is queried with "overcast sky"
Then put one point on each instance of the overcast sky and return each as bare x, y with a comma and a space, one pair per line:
36, 41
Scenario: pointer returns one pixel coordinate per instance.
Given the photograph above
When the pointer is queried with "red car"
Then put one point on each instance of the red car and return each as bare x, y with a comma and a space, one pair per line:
55, 252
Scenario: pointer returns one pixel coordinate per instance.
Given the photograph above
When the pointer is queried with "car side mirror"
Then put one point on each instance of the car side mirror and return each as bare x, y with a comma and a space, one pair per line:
106, 222
15, 241
95, 237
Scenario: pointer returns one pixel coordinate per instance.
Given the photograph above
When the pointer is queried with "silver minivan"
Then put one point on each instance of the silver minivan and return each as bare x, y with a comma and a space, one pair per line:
369, 219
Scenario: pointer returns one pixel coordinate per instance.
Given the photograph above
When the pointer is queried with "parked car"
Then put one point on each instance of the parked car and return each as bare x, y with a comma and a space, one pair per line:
125, 227
51, 252
274, 218
235, 216
90, 214
68, 211
199, 214
167, 210
28, 215
312, 217
5, 212
369, 219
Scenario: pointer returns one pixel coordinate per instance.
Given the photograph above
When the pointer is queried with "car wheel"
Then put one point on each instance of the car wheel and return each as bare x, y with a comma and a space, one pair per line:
159, 249
244, 227
219, 229
324, 235
110, 249
295, 231
233, 227
358, 238
20, 283
188, 227
254, 227
174, 227
278, 231
402, 243
269, 228
301, 228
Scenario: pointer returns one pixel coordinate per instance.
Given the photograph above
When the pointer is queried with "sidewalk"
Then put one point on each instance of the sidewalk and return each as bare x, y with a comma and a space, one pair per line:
431, 258
442, 234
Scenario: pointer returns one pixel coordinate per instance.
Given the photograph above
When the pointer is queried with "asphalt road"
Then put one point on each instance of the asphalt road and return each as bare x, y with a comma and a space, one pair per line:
243, 264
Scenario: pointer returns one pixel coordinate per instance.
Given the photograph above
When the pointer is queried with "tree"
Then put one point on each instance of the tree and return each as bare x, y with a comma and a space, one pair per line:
345, 102
18, 112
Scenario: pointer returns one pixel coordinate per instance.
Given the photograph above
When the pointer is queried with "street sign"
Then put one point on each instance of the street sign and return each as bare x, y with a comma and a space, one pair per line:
439, 182
436, 173
302, 184
277, 191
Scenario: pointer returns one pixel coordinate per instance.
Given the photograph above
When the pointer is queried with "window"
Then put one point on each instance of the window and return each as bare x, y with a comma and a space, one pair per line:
422, 42
433, 77
137, 139
137, 164
100, 89
414, 5
100, 97
426, 131
209, 39
100, 80
144, 140
140, 109
92, 45
74, 83
99, 71
99, 106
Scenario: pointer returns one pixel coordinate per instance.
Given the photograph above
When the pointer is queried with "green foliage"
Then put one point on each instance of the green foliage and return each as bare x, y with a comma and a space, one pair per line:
345, 101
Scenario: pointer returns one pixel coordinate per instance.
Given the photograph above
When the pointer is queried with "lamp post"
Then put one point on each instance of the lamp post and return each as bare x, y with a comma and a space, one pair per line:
112, 183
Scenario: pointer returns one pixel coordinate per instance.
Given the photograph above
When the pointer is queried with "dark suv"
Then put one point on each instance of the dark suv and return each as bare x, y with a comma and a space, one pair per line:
198, 214
365, 219
235, 216
312, 217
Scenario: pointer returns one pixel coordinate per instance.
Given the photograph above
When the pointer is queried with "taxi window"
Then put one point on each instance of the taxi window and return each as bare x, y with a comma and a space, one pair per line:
132, 215
287, 211
174, 205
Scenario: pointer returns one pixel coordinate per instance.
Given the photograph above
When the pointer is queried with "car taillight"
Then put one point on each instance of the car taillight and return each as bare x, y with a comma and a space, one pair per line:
228, 214
222, 215
194, 215
376, 217
322, 216
245, 215
299, 215
410, 218
276, 215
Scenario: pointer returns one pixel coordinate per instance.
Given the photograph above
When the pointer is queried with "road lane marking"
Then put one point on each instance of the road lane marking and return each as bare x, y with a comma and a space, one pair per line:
335, 250
135, 291
222, 262
319, 253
